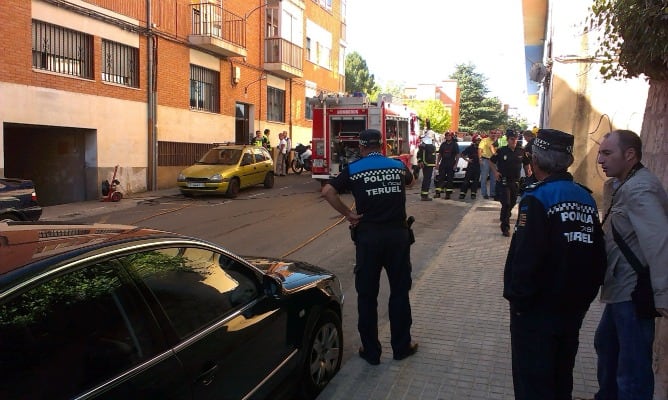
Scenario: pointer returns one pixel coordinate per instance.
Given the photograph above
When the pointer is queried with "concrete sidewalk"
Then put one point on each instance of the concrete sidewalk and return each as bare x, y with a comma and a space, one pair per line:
461, 322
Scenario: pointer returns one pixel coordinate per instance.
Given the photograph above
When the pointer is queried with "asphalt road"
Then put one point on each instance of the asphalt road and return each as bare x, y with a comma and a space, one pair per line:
291, 220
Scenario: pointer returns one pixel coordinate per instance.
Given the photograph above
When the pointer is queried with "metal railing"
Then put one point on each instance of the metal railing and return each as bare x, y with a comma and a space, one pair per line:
212, 20
278, 50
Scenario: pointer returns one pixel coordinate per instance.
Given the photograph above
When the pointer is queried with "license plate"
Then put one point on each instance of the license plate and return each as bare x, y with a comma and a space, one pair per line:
318, 163
195, 184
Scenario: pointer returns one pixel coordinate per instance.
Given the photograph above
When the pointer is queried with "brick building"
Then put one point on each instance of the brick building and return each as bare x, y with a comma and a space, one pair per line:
149, 85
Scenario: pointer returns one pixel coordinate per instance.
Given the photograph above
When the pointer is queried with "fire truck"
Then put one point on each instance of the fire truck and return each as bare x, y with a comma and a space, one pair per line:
338, 121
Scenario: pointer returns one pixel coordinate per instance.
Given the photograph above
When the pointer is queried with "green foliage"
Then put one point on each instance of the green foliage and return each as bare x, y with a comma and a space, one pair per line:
633, 37
358, 78
439, 117
517, 123
477, 112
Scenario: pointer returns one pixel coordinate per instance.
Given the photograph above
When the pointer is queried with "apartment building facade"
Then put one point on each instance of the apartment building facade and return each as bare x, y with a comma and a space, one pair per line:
149, 85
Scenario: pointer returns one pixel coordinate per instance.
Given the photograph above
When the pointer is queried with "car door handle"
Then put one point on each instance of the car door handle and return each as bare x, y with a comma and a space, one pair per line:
208, 376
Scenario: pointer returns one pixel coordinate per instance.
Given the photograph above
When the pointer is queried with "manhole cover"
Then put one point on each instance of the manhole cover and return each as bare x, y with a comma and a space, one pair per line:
487, 208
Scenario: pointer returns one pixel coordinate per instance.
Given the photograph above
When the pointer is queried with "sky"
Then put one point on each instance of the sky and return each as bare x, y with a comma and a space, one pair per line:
421, 41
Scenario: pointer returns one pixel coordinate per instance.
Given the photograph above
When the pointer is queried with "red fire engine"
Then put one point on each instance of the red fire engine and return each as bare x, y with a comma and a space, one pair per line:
338, 121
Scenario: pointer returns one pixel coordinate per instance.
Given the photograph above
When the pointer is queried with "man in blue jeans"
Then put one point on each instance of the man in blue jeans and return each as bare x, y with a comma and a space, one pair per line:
638, 211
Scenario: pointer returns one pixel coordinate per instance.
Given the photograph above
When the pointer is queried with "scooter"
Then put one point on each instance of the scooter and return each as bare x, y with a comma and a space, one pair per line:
302, 160
109, 192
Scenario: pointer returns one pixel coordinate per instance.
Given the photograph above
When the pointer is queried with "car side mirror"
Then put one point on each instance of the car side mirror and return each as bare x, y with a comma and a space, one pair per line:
272, 286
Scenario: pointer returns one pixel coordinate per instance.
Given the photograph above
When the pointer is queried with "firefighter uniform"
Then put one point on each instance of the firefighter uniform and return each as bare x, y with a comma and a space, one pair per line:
448, 153
509, 162
472, 175
382, 240
555, 265
426, 160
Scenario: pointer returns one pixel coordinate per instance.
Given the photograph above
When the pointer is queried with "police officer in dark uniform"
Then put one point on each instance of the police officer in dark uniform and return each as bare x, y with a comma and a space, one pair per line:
506, 165
555, 265
382, 238
426, 161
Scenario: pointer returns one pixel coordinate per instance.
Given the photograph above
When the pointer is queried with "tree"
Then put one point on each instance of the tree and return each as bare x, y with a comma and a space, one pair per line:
477, 112
517, 123
633, 41
435, 111
358, 78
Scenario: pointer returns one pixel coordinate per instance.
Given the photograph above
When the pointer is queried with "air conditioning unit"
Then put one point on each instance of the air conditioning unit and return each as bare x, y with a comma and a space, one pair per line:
538, 72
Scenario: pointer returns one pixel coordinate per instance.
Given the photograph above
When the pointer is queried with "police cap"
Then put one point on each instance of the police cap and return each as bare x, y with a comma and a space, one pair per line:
370, 137
554, 140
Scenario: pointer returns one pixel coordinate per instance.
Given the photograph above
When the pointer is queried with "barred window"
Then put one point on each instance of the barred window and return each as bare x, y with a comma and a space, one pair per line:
120, 63
275, 104
61, 50
180, 153
204, 89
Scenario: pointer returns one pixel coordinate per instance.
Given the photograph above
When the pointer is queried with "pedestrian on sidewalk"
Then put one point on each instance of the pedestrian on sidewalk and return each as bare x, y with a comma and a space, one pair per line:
486, 150
382, 239
553, 270
279, 169
507, 166
426, 161
638, 215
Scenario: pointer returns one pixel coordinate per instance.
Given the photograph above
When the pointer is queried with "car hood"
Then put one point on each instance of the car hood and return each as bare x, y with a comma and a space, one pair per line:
206, 170
292, 274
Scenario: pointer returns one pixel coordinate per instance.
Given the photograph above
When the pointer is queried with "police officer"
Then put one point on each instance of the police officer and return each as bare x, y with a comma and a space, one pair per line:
555, 265
382, 239
506, 165
426, 161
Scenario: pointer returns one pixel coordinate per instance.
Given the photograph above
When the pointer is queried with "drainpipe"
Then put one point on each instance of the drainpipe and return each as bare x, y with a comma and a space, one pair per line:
151, 173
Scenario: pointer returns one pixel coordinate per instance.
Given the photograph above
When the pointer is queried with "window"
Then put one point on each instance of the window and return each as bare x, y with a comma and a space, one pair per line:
195, 287
62, 50
66, 335
261, 154
120, 63
308, 109
275, 104
204, 89
272, 22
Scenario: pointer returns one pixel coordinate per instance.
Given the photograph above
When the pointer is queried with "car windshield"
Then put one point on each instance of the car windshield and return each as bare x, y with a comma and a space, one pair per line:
221, 157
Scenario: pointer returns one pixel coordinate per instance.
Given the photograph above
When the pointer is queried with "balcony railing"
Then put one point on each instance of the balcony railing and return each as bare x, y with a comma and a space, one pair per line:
285, 57
218, 30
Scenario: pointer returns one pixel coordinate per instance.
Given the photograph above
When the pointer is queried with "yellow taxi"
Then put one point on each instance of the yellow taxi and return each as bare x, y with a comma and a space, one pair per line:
227, 168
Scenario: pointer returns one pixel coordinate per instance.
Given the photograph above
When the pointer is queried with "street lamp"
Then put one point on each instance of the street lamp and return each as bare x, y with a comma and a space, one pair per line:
263, 76
267, 3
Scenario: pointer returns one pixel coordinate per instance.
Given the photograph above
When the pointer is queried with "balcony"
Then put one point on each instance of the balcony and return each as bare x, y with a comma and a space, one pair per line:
217, 30
283, 58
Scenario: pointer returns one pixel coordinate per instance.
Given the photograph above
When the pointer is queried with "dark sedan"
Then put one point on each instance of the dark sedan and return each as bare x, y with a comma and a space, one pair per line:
18, 200
120, 312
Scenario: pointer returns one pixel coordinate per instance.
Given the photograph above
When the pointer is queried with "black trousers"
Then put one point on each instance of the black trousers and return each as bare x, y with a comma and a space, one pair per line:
507, 194
376, 249
471, 179
543, 354
446, 176
427, 171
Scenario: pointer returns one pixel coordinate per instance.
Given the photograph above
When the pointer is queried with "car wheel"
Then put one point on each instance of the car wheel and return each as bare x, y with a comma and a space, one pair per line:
324, 352
269, 180
233, 188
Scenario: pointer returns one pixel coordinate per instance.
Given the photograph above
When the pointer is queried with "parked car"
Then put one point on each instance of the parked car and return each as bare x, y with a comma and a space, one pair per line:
18, 200
227, 168
460, 168
120, 312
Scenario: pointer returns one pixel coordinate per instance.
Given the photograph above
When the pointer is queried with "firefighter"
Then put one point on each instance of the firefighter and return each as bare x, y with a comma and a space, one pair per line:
426, 162
507, 165
472, 176
382, 236
446, 159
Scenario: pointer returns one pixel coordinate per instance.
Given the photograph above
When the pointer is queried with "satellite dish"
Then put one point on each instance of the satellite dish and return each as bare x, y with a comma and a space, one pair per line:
538, 72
